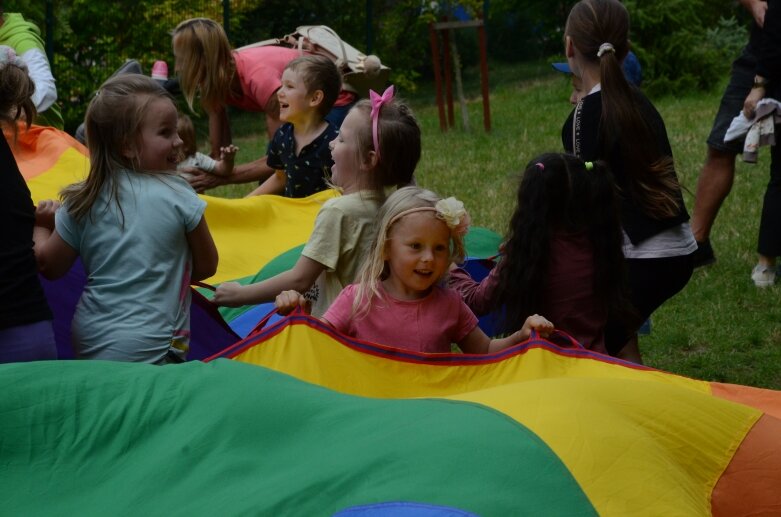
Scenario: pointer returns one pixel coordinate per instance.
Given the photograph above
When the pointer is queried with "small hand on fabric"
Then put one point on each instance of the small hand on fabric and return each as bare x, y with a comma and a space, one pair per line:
538, 323
44, 213
287, 301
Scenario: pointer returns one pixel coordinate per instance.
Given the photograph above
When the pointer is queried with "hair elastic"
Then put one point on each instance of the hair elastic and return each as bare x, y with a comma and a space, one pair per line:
589, 165
605, 47
377, 101
540, 166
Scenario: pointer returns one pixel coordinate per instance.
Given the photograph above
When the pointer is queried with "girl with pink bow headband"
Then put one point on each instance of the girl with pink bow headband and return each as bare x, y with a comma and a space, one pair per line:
378, 147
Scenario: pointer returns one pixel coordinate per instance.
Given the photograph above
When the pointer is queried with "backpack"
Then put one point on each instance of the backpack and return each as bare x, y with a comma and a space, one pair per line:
360, 72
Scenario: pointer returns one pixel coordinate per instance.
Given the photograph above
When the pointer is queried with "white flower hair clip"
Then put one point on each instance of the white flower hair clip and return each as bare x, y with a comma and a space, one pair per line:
8, 57
452, 211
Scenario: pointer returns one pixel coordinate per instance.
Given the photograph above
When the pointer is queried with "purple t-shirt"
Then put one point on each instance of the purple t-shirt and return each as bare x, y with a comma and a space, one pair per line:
428, 325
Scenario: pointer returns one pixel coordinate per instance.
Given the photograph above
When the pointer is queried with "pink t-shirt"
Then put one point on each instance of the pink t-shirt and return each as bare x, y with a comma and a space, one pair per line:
260, 75
429, 325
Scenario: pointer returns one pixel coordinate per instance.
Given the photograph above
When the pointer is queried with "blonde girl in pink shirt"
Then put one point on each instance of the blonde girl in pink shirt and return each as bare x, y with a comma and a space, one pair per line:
400, 300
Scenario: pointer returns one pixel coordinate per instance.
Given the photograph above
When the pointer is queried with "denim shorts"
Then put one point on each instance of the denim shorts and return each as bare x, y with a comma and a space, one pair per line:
740, 83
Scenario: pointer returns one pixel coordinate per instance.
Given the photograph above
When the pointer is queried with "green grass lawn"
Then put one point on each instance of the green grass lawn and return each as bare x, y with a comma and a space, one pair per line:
720, 327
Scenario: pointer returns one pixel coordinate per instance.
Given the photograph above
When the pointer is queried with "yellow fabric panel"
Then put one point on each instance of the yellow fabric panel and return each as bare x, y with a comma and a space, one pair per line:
72, 166
250, 232
638, 442
321, 359
636, 447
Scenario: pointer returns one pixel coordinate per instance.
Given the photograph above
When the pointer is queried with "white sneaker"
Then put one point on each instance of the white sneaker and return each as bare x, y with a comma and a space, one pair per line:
763, 276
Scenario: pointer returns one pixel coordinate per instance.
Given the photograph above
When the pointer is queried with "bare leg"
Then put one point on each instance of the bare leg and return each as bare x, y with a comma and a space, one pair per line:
713, 187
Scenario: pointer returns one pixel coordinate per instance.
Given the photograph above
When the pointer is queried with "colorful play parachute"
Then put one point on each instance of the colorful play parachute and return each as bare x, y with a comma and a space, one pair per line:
298, 420
320, 424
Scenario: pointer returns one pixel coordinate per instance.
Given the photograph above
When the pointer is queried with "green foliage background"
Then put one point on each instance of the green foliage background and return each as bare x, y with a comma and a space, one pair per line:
684, 45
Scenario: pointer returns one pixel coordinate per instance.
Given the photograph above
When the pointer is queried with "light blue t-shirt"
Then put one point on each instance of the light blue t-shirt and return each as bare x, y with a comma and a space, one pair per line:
136, 305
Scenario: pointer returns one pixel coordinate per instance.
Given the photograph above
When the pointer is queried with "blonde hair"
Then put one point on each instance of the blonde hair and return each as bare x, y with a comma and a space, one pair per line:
204, 61
374, 268
16, 91
113, 121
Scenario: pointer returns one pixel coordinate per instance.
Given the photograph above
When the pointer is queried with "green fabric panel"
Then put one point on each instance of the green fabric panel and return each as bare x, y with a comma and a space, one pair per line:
226, 438
482, 243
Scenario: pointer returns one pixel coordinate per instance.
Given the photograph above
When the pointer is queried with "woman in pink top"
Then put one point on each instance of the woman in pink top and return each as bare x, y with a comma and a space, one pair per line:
247, 79
399, 300
563, 252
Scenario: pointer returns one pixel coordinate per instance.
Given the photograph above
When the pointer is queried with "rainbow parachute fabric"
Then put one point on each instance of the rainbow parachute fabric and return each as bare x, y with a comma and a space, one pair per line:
319, 424
298, 420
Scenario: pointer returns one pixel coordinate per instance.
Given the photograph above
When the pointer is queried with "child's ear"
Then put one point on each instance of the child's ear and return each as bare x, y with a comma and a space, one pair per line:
569, 47
316, 98
129, 151
371, 161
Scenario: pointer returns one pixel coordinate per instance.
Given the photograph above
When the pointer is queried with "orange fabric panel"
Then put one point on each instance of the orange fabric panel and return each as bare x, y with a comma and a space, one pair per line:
38, 149
749, 484
767, 401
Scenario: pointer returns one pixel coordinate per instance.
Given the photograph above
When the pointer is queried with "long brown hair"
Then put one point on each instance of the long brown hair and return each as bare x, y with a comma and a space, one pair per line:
204, 61
113, 121
652, 182
16, 91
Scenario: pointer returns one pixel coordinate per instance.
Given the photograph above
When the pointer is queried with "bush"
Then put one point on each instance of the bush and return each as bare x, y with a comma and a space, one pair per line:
684, 45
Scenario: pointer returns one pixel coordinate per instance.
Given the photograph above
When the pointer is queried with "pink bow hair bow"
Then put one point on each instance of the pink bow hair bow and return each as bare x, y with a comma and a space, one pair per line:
377, 101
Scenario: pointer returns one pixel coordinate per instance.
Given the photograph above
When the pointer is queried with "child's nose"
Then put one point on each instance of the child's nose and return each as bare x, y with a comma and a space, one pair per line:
331, 144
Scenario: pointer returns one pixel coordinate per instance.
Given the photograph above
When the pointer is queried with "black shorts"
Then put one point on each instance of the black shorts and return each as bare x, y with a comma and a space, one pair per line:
651, 283
740, 83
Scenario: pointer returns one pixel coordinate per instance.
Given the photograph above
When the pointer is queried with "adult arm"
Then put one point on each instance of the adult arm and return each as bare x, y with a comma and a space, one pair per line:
203, 251
300, 279
757, 10
219, 130
244, 173
768, 70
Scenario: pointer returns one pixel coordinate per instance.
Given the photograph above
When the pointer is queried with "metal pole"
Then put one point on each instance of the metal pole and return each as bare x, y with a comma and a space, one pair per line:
226, 17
